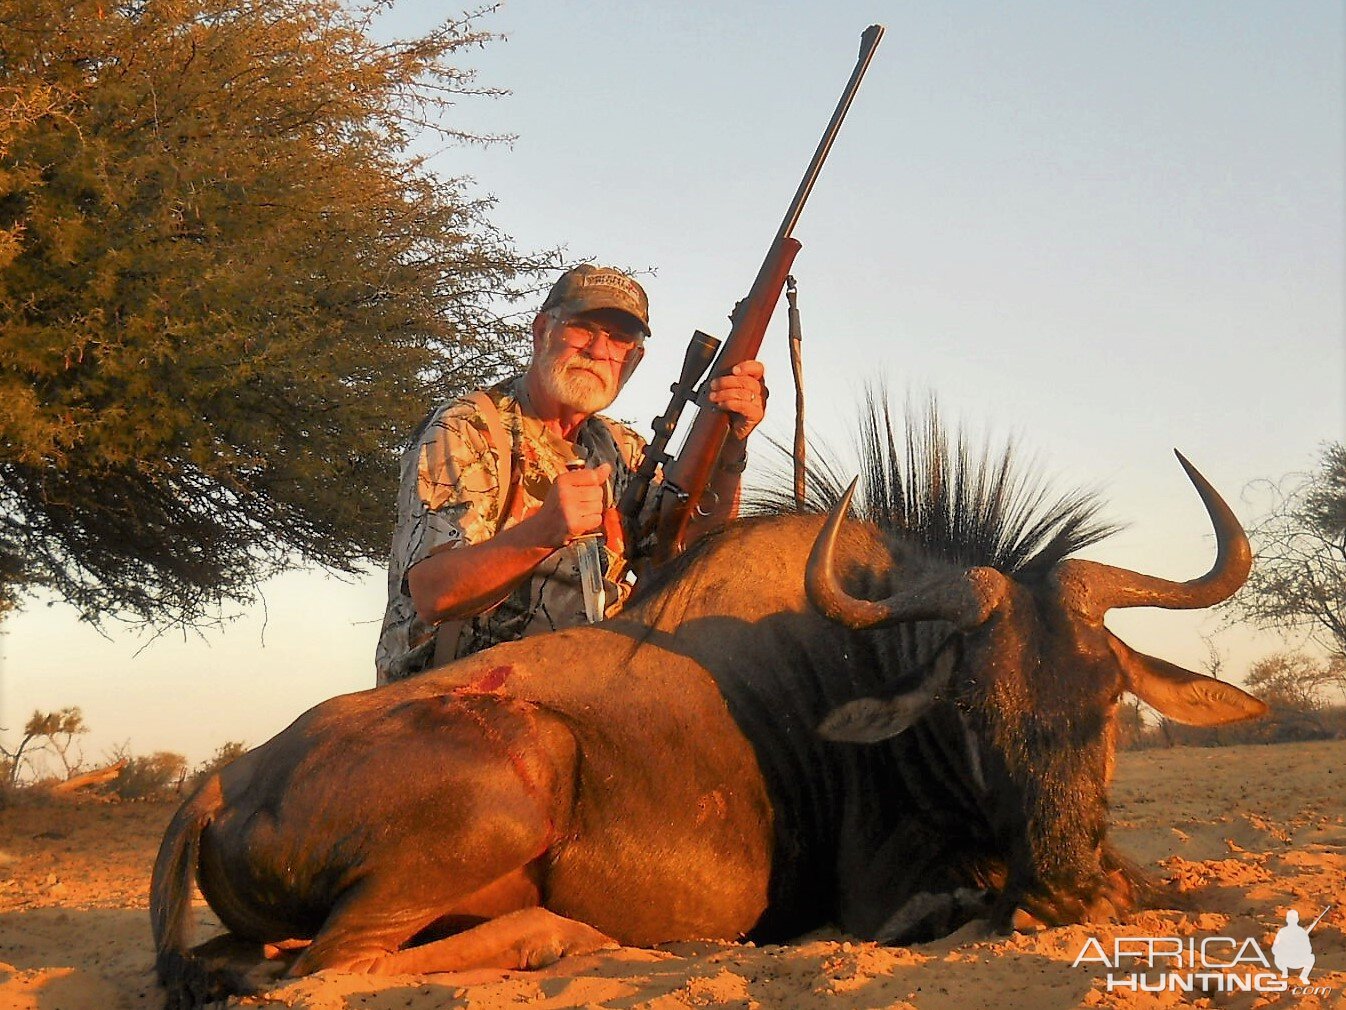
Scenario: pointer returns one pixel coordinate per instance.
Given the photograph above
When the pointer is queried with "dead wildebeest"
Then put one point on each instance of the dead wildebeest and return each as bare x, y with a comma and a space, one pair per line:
660, 776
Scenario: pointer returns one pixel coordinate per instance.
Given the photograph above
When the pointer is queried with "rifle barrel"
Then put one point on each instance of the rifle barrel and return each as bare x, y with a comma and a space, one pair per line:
869, 42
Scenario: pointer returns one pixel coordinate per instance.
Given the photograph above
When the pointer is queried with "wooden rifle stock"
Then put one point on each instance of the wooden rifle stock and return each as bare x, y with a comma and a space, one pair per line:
685, 477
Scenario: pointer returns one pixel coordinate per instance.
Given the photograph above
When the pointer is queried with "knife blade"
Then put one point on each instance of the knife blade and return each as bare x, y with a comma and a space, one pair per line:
589, 551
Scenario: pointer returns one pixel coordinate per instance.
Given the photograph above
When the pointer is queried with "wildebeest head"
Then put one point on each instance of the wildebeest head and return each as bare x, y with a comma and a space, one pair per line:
1036, 679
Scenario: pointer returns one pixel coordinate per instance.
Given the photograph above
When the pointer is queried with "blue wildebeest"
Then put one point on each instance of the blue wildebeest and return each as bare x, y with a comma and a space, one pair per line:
661, 776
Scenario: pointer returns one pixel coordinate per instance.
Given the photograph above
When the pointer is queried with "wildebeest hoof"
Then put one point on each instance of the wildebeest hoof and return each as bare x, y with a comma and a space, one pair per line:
237, 966
1024, 921
282, 949
558, 937
931, 916
541, 955
1102, 909
1118, 895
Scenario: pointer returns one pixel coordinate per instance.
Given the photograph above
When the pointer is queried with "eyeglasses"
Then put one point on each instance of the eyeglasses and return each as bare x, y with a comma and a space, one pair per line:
583, 332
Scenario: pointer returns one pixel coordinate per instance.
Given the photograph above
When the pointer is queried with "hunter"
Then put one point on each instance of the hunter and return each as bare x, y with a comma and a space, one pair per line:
498, 486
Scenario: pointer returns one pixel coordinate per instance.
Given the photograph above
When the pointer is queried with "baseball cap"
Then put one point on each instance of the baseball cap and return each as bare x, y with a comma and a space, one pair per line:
588, 287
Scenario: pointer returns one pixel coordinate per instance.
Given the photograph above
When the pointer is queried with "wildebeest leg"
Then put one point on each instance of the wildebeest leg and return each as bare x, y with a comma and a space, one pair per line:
927, 915
238, 962
529, 938
362, 936
909, 888
469, 863
376, 919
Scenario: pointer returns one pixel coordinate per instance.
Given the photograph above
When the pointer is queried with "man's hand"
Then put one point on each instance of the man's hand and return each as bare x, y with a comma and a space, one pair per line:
742, 394
574, 505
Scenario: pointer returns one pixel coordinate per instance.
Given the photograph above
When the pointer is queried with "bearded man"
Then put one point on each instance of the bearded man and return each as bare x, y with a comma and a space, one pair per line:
498, 485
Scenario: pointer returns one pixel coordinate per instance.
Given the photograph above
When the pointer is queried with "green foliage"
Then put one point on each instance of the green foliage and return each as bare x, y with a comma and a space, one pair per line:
1298, 581
226, 291
155, 777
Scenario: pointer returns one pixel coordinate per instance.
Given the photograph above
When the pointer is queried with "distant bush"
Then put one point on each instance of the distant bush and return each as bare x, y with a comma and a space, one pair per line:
1303, 693
164, 775
1280, 725
161, 775
1131, 725
1292, 682
156, 777
224, 753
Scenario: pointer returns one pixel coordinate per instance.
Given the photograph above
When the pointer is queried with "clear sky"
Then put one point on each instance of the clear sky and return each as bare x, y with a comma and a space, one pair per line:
1107, 229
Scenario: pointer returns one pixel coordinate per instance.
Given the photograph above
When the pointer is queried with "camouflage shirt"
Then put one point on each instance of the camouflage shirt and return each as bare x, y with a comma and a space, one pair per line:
450, 496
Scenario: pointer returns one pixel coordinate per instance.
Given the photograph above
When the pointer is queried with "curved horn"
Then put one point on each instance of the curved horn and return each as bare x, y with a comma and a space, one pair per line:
1093, 588
965, 601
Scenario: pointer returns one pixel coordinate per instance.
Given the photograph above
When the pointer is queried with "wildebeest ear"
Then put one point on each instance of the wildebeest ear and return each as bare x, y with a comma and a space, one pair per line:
1182, 695
869, 720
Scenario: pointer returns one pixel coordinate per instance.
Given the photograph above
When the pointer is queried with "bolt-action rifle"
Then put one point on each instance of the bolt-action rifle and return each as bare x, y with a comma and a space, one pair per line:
686, 476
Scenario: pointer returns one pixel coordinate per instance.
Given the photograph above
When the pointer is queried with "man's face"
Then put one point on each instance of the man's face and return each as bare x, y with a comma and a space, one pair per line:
584, 360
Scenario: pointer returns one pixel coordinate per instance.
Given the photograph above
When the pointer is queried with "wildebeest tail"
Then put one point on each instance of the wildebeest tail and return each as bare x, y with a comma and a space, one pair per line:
189, 981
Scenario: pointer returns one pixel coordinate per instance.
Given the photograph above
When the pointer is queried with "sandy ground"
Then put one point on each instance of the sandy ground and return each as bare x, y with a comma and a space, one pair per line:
1240, 834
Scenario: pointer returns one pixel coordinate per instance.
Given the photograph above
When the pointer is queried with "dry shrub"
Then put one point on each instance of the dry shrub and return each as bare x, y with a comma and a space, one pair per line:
224, 753
156, 777
1280, 725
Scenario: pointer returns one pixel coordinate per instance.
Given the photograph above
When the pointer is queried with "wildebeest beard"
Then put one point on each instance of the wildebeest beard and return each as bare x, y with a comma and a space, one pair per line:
1049, 768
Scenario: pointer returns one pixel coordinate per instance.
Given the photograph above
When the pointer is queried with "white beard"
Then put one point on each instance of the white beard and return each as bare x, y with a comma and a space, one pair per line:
579, 388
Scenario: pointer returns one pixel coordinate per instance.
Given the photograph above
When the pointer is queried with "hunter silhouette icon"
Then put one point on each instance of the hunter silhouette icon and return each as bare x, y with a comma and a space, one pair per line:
1292, 947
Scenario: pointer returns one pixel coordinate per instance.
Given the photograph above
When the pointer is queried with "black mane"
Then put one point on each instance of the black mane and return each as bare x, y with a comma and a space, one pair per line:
935, 492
